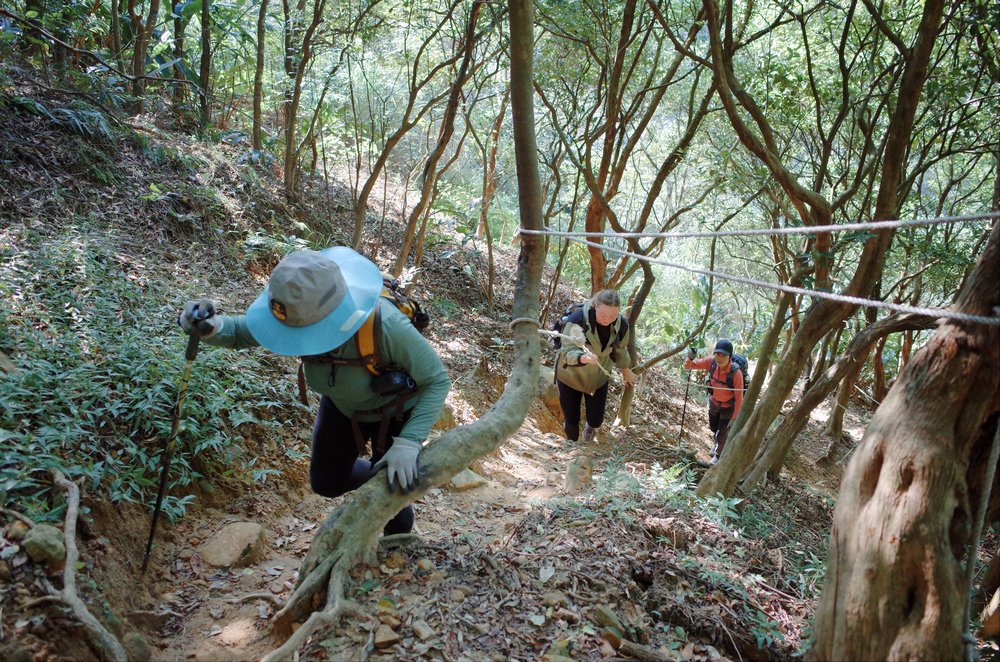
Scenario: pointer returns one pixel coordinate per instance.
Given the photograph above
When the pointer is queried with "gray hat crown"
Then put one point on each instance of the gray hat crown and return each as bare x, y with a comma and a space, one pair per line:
304, 288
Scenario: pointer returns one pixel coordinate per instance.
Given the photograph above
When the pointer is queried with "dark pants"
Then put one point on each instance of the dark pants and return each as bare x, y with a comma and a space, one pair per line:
569, 400
336, 467
719, 419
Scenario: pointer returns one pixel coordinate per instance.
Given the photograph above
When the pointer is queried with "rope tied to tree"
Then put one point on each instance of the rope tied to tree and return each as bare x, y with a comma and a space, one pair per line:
526, 320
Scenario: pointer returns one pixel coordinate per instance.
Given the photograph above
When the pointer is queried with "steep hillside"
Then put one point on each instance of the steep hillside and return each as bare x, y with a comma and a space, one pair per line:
108, 226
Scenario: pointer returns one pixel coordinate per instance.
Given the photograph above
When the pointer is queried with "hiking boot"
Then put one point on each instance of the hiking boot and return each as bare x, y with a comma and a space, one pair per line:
589, 434
713, 459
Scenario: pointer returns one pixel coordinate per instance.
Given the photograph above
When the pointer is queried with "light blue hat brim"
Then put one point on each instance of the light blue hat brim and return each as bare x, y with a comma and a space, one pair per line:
364, 285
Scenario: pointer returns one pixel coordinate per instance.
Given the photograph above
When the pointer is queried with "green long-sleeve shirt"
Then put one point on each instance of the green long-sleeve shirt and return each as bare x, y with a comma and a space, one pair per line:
399, 344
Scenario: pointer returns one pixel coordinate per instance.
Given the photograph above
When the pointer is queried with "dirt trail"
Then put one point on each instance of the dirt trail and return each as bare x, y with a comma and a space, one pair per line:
210, 617
439, 596
513, 569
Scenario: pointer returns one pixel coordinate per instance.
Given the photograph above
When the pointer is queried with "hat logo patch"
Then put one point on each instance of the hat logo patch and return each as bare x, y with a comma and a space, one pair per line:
278, 310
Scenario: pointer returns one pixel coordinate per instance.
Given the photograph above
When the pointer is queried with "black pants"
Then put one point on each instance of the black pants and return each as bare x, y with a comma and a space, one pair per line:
719, 419
336, 467
569, 400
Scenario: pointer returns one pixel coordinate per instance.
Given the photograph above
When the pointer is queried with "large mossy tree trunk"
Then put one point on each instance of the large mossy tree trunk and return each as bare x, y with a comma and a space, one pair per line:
350, 533
896, 586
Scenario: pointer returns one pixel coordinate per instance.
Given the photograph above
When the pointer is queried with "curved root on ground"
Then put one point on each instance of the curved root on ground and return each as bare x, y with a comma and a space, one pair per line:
106, 644
336, 606
302, 599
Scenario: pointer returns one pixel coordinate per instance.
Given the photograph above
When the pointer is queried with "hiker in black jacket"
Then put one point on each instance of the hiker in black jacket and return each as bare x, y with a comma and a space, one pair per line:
595, 337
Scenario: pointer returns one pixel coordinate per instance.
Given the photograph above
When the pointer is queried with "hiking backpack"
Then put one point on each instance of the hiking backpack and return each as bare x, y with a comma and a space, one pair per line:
741, 363
560, 324
365, 338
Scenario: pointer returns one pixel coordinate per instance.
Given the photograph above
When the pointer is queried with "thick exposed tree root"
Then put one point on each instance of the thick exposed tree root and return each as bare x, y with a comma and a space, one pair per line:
336, 605
308, 592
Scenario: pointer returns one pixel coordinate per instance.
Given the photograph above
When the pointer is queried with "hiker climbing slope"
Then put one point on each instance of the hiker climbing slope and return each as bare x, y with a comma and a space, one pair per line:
725, 388
596, 337
314, 306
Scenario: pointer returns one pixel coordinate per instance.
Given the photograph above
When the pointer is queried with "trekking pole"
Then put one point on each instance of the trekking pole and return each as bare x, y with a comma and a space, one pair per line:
168, 452
687, 387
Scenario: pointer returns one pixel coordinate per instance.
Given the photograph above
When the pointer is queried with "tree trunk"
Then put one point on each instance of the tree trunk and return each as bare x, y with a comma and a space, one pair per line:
772, 456
835, 424
879, 389
490, 167
180, 25
906, 350
59, 53
291, 160
29, 43
143, 31
826, 314
489, 190
352, 530
826, 351
205, 71
895, 585
116, 33
765, 351
444, 137
258, 79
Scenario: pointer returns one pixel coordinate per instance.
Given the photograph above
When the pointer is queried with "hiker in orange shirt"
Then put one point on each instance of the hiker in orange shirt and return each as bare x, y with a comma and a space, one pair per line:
725, 387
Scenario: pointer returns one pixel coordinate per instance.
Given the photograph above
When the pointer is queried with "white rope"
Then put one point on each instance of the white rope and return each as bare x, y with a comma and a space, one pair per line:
815, 229
527, 320
843, 298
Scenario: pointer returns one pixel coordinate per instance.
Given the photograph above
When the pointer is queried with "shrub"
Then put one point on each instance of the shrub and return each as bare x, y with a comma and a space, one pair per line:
99, 361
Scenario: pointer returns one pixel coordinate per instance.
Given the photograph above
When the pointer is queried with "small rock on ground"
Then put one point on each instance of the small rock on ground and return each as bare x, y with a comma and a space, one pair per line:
466, 479
238, 544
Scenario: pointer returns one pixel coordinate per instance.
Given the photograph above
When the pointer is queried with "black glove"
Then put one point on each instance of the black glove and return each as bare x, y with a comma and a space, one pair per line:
199, 317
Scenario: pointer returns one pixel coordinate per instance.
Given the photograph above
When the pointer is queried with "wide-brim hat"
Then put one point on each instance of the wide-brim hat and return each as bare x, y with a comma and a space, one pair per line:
314, 301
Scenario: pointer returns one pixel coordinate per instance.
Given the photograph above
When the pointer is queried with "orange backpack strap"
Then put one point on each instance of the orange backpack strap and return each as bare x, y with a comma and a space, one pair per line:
366, 342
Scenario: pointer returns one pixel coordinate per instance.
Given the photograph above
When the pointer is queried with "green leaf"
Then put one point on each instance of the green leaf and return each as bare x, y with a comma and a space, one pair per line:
367, 586
191, 9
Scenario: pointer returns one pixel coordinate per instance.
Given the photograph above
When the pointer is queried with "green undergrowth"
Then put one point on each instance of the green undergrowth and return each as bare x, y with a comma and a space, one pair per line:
98, 359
